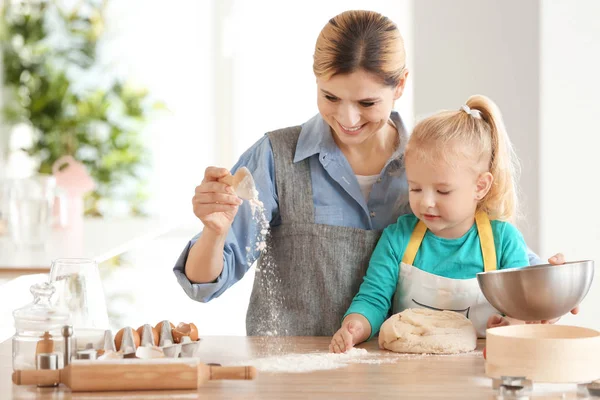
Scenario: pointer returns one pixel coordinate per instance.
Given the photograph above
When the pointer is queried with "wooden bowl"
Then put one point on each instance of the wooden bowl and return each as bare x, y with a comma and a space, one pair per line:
543, 353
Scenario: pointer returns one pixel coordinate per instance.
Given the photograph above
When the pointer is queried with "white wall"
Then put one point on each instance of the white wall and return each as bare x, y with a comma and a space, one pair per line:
570, 138
168, 49
465, 47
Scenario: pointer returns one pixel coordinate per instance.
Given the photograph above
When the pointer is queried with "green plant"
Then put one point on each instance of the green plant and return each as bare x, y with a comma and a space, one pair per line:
47, 50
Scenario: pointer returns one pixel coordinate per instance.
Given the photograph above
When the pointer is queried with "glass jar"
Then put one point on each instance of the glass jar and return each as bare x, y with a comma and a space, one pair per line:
38, 328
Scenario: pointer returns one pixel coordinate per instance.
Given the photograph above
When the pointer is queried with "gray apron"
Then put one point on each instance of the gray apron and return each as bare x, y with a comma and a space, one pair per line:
309, 274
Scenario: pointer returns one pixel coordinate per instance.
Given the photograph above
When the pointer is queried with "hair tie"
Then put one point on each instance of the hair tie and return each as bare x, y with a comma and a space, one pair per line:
472, 113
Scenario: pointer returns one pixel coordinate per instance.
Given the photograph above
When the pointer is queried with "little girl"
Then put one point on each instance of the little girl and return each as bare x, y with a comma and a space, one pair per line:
461, 172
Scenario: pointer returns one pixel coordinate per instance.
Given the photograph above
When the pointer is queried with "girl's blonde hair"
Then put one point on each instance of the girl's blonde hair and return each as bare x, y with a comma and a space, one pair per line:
358, 39
478, 131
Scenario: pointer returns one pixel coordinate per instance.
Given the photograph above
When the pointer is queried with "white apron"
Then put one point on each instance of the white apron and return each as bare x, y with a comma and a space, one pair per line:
419, 289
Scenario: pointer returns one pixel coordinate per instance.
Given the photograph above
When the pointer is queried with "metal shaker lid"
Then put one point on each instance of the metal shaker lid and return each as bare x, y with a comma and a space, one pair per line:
88, 354
47, 361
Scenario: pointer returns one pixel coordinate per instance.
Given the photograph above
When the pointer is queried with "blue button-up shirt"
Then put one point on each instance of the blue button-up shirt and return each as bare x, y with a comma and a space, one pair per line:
337, 199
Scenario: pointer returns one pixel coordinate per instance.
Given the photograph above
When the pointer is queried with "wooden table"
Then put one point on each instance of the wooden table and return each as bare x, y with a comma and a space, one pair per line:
408, 377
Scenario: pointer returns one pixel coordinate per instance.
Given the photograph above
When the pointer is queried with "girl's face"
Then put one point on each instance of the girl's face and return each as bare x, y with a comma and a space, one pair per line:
356, 106
444, 194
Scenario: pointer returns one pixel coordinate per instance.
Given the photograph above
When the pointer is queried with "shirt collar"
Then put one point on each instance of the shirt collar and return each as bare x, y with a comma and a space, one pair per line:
315, 138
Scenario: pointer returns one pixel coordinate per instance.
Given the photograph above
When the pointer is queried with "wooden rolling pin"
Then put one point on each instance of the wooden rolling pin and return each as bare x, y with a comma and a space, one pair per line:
98, 376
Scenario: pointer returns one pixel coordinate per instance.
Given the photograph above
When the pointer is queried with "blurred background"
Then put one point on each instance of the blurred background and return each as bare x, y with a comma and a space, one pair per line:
145, 94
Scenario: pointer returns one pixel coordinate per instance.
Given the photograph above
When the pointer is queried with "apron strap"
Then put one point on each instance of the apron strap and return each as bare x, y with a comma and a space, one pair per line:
293, 180
486, 239
414, 243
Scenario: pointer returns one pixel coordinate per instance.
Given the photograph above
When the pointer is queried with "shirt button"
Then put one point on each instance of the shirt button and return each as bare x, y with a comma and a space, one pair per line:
372, 214
378, 180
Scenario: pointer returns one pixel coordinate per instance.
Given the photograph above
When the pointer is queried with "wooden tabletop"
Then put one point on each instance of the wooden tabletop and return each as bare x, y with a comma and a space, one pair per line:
387, 376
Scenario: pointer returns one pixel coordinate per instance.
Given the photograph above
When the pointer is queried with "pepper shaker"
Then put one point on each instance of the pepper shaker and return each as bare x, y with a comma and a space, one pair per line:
47, 361
67, 332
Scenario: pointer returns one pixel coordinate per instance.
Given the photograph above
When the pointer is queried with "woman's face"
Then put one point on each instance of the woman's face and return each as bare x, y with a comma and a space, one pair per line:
357, 106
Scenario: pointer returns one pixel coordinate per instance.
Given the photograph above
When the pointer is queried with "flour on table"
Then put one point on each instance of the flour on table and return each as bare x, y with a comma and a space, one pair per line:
298, 363
307, 362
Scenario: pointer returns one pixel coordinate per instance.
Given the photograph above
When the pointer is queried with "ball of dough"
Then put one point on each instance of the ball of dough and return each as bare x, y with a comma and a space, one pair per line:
421, 330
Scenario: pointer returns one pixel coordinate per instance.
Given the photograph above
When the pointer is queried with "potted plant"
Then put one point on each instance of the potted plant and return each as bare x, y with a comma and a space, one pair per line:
47, 52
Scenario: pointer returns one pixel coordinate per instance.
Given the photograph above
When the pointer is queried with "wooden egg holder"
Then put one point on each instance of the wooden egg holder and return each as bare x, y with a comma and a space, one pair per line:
518, 356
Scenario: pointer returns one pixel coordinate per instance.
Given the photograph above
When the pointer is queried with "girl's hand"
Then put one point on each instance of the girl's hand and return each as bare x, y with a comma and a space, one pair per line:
346, 337
215, 203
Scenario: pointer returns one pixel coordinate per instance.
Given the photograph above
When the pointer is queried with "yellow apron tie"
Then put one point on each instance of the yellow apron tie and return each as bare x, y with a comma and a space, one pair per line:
486, 240
414, 243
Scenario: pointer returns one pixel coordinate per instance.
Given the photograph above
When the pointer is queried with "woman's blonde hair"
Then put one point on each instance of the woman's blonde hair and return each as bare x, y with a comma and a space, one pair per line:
476, 130
355, 40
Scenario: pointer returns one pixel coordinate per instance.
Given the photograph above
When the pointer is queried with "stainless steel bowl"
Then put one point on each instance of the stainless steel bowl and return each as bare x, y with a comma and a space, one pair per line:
540, 292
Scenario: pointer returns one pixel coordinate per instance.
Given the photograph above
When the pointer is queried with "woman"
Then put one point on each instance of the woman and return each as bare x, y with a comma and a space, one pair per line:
328, 187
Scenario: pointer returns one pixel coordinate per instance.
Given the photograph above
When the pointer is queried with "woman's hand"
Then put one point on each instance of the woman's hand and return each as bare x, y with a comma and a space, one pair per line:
347, 336
215, 203
559, 259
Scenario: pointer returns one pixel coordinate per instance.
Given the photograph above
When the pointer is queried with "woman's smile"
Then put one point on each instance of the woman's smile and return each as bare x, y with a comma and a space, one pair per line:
355, 130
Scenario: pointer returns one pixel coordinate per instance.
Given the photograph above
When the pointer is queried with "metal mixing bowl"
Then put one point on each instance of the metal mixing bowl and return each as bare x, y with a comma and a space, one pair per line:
540, 292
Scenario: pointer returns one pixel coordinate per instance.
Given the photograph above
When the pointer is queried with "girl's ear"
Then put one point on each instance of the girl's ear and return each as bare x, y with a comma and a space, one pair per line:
400, 88
484, 184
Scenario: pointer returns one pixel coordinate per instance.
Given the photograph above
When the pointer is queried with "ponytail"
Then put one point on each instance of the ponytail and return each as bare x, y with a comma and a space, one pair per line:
501, 202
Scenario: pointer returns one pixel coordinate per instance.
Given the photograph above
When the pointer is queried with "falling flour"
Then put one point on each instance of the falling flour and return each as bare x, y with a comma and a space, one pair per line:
258, 215
266, 276
298, 363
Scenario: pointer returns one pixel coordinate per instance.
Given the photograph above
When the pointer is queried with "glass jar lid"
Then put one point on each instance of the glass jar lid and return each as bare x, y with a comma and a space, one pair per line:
40, 315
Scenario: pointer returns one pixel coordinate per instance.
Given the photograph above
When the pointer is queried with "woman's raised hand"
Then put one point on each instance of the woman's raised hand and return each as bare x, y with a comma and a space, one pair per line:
215, 203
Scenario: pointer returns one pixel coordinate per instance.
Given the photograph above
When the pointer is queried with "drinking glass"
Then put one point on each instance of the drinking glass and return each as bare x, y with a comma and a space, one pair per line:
79, 290
29, 205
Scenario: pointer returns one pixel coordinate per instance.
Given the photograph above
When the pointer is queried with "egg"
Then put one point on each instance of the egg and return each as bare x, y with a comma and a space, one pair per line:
184, 329
119, 337
140, 331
